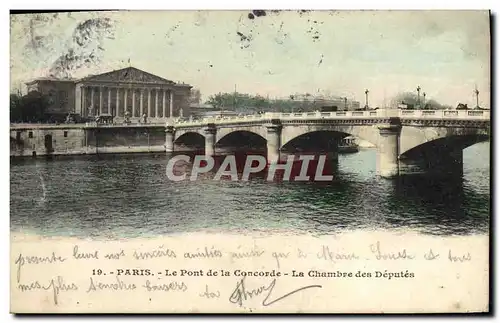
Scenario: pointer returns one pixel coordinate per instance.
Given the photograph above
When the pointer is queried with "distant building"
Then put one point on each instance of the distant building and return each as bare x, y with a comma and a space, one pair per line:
60, 94
221, 113
207, 110
114, 93
310, 102
200, 110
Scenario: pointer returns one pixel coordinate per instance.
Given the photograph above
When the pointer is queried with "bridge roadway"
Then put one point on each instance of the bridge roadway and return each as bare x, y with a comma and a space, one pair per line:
407, 141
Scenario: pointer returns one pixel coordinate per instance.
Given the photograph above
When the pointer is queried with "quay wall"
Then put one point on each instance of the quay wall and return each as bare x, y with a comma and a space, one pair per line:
46, 140
136, 136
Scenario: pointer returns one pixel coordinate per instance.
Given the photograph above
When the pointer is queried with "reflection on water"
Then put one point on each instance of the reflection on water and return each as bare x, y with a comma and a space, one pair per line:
130, 195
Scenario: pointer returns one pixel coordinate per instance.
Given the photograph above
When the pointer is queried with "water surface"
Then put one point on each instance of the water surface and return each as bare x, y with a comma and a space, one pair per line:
130, 196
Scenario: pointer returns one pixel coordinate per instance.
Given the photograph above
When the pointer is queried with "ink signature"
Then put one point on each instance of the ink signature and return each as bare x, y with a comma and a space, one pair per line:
241, 293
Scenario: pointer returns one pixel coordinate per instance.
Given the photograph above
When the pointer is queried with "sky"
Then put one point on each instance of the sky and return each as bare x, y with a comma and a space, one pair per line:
446, 53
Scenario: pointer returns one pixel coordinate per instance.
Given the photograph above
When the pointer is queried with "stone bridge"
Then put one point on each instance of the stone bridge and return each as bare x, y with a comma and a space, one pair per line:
407, 141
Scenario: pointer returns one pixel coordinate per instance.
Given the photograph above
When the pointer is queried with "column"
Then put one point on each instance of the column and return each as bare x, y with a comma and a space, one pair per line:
149, 103
141, 103
273, 141
118, 102
133, 103
171, 104
388, 148
164, 103
125, 101
100, 100
210, 140
83, 107
109, 101
92, 90
156, 103
169, 138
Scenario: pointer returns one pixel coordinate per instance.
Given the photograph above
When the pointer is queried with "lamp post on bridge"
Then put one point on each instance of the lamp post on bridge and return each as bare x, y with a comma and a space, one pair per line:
476, 92
418, 95
424, 99
345, 103
366, 99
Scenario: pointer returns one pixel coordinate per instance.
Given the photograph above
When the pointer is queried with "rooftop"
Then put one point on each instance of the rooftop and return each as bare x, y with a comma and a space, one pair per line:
126, 70
51, 79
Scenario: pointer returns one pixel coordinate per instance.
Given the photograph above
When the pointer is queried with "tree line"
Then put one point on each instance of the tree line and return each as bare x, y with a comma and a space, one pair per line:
243, 102
31, 107
296, 103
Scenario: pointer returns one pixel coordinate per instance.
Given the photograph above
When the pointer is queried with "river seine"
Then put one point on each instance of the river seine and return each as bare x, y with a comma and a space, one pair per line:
130, 196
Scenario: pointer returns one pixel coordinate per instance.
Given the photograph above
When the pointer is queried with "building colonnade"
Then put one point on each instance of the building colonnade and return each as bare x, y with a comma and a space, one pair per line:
154, 102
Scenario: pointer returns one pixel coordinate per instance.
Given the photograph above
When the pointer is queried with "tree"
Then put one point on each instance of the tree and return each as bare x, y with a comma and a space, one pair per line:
31, 107
216, 101
15, 107
260, 102
247, 103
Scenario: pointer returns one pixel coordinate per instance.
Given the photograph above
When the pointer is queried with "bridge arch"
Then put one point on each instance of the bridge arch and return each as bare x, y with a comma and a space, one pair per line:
258, 130
415, 140
314, 141
242, 139
438, 156
368, 133
190, 139
443, 145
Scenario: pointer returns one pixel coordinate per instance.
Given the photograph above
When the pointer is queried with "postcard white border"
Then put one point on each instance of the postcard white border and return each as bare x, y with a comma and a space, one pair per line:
152, 4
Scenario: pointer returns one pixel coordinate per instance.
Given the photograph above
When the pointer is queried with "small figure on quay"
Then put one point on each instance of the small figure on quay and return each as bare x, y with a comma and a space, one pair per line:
127, 117
69, 118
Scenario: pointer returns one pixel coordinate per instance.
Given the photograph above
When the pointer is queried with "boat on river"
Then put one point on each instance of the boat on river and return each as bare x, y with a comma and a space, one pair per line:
348, 145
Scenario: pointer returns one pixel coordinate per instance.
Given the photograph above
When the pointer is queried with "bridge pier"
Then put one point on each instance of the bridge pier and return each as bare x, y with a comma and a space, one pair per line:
210, 140
169, 138
273, 141
440, 163
388, 149
452, 163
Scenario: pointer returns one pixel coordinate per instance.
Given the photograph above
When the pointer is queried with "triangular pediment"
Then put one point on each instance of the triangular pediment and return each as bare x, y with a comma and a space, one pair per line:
127, 75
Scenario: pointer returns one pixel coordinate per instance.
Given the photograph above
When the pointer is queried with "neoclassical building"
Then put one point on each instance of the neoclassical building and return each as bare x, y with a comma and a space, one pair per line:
113, 93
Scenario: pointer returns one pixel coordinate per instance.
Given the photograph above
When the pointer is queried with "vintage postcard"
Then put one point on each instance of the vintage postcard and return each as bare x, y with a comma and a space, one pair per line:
258, 161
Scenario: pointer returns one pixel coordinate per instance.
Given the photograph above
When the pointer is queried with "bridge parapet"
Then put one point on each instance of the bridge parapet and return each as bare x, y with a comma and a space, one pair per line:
446, 114
473, 115
342, 115
291, 116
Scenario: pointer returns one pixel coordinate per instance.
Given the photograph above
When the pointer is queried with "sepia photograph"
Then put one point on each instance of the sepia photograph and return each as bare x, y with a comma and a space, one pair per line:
250, 161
